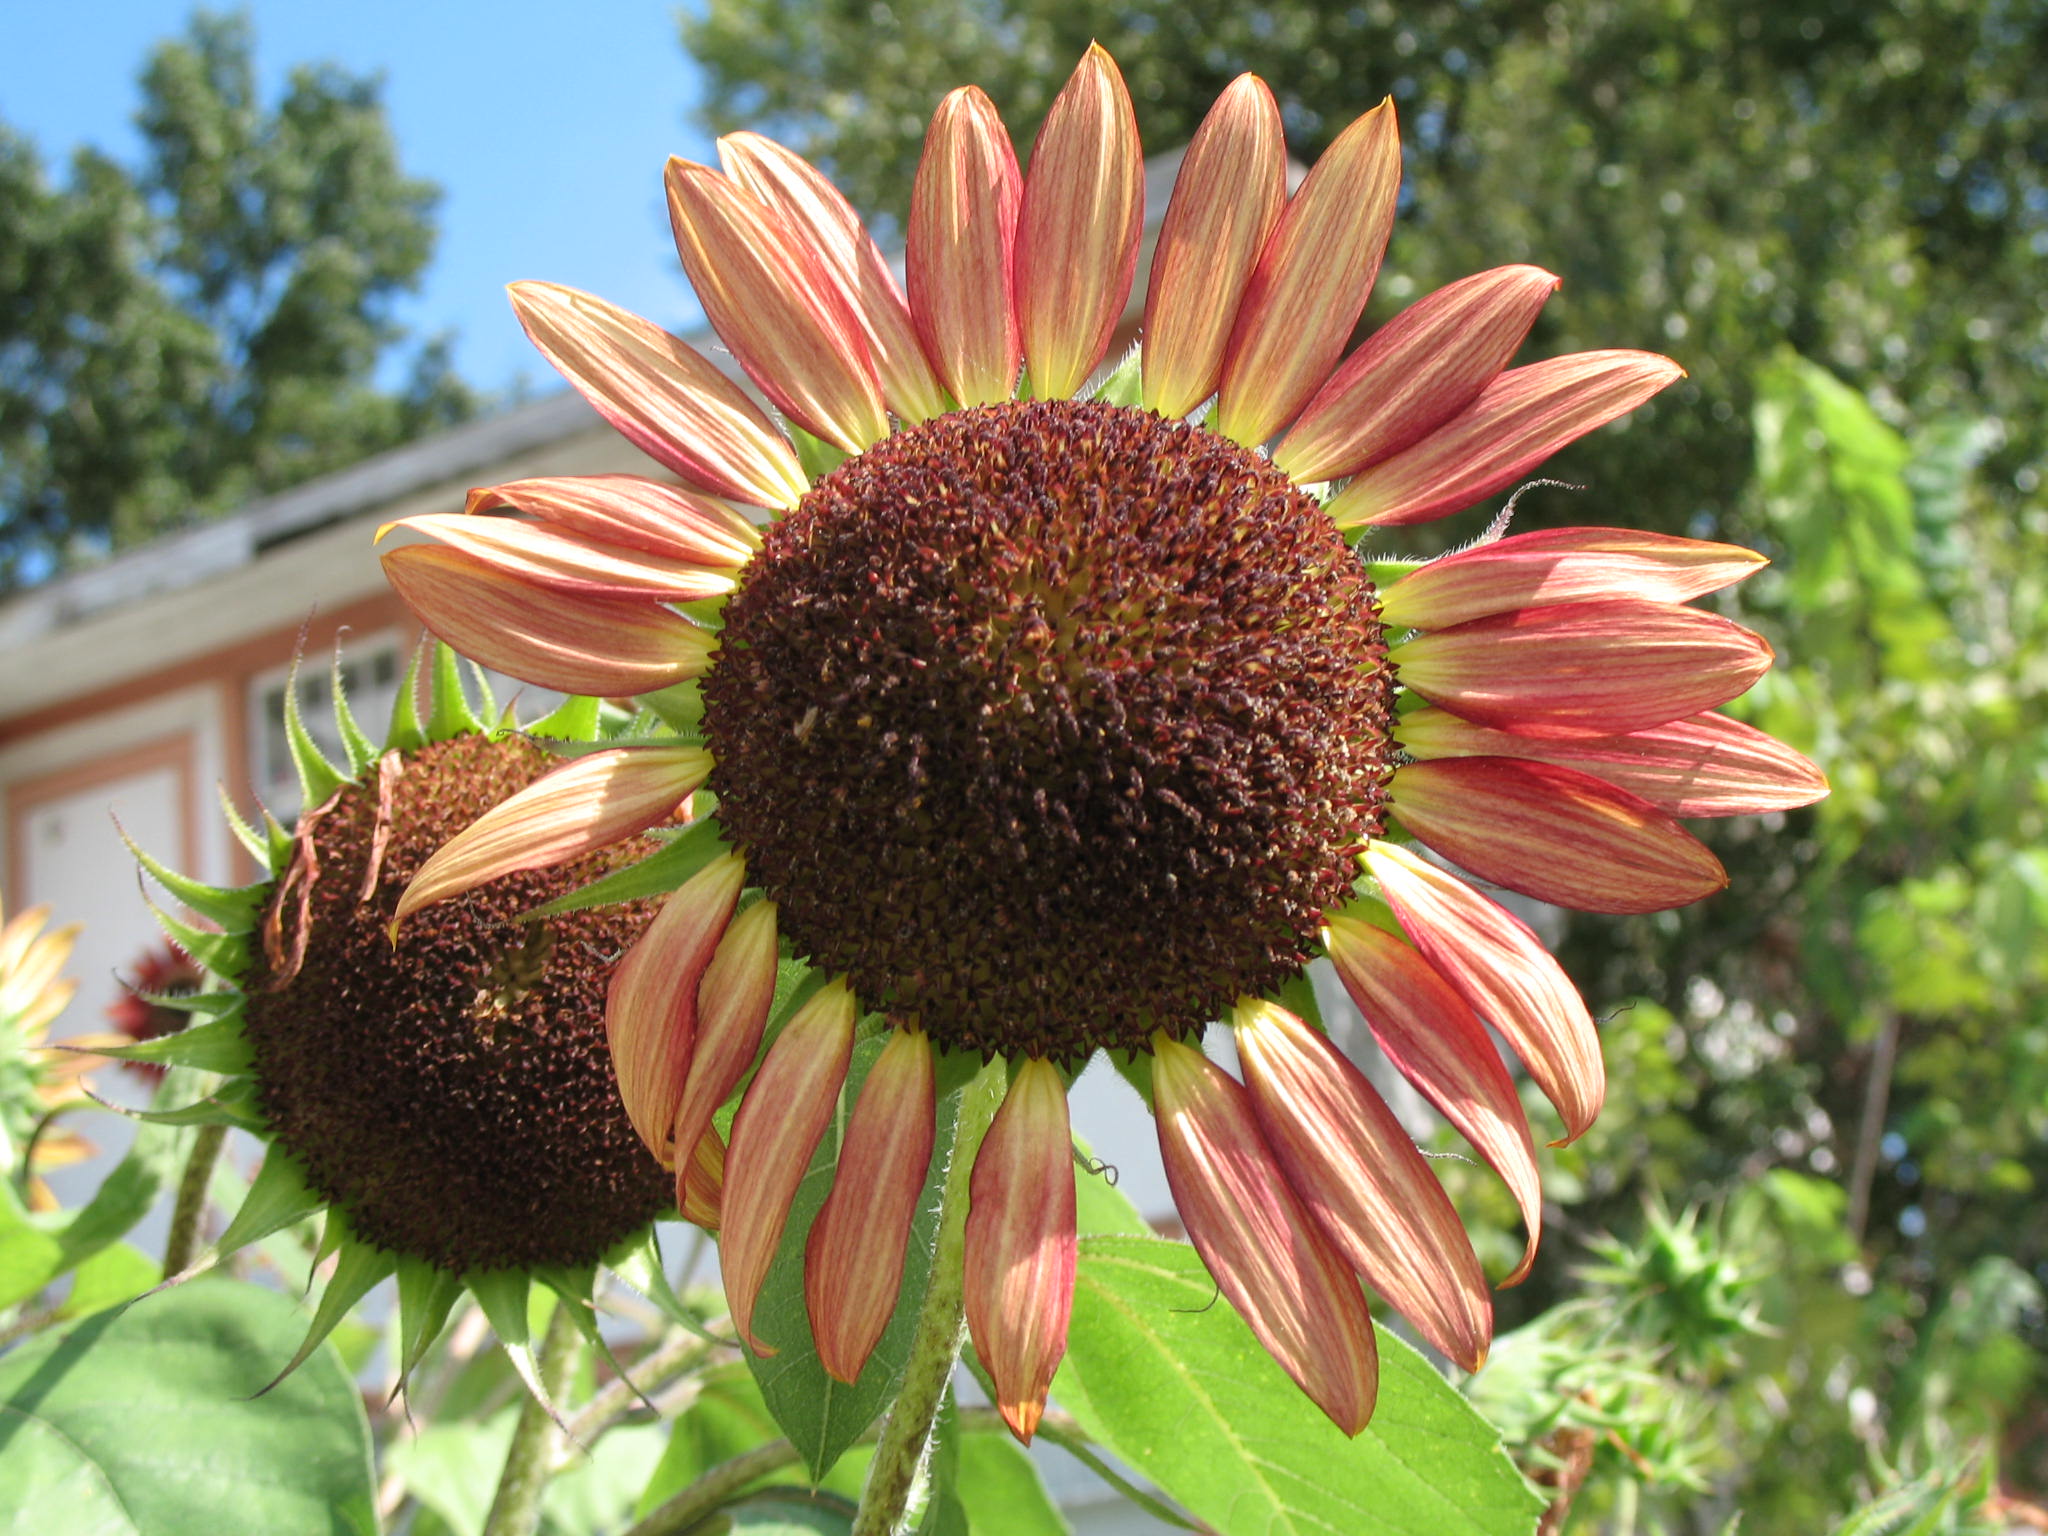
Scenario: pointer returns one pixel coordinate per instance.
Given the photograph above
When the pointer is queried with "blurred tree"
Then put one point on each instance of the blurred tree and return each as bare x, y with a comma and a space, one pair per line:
210, 327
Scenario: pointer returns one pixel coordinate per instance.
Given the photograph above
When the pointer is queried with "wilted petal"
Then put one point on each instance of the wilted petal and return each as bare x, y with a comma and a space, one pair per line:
1707, 765
557, 563
1563, 565
1415, 372
1440, 1046
1518, 421
1554, 833
1502, 969
1312, 280
650, 1012
666, 399
960, 262
780, 1122
578, 643
700, 1181
1021, 1244
587, 804
732, 1009
825, 222
631, 511
1583, 669
853, 1262
1357, 1170
1226, 200
785, 321
1077, 227
1262, 1248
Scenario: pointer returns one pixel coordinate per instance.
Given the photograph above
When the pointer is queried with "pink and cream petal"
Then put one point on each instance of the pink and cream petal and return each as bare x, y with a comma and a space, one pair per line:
786, 322
853, 1261
539, 556
819, 217
1312, 280
1705, 765
633, 512
1554, 833
733, 1000
961, 257
1226, 200
662, 395
588, 803
1501, 968
1263, 1249
1021, 1245
1415, 372
1563, 565
1078, 223
700, 1182
1583, 669
1358, 1172
778, 1127
1440, 1046
1517, 422
650, 1013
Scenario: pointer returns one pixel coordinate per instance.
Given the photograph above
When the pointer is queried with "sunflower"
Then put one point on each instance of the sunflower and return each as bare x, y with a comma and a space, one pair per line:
36, 1085
447, 1101
1054, 712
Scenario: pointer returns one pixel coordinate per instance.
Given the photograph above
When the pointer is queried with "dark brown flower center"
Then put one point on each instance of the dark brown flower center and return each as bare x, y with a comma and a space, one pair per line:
1052, 724
452, 1094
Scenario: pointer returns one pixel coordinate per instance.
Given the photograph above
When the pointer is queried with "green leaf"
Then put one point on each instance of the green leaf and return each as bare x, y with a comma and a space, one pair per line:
1001, 1490
30, 1258
140, 1420
1100, 1208
656, 875
1165, 1374
726, 1417
117, 1273
152, 1164
822, 1416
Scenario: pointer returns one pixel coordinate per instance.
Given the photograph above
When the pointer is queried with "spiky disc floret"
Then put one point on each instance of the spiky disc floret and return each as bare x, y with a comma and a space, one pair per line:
450, 1093
1052, 724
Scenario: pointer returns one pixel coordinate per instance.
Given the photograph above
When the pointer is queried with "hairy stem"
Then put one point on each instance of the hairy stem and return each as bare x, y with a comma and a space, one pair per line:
515, 1510
935, 1346
188, 1216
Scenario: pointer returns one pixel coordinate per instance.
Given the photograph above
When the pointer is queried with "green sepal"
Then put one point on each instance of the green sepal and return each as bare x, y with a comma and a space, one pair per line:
278, 1197
283, 846
502, 1293
656, 875
361, 750
217, 1047
201, 1005
1125, 383
1384, 573
1135, 1068
361, 1267
332, 1231
234, 1104
1297, 994
818, 457
224, 954
426, 1295
318, 778
257, 847
574, 719
233, 907
576, 1289
487, 700
451, 715
406, 733
680, 706
637, 1262
953, 1069
705, 612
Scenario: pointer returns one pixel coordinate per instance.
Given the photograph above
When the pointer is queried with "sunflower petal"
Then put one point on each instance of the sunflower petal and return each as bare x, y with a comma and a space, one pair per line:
1554, 833
786, 322
1583, 669
589, 803
1502, 969
633, 512
555, 562
961, 256
1226, 200
650, 1013
1263, 1249
853, 1261
1312, 280
1441, 1047
576, 642
700, 1181
832, 232
781, 1120
1707, 765
1021, 1244
1415, 372
1082, 210
732, 1009
1357, 1170
1517, 422
662, 395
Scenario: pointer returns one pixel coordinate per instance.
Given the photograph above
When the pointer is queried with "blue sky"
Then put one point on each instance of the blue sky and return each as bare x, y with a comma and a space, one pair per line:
546, 126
